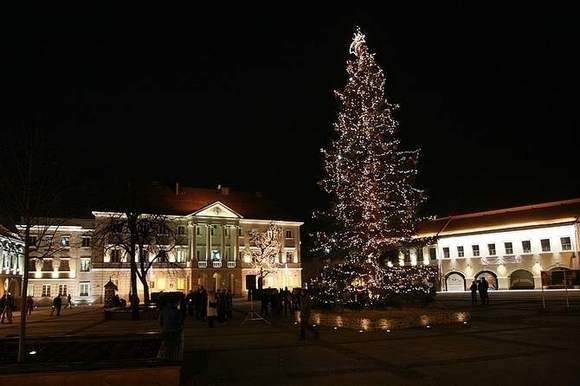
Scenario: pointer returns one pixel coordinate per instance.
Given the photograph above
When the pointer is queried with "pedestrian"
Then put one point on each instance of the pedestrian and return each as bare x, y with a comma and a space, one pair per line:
211, 312
171, 322
483, 287
473, 289
2, 305
189, 303
29, 304
305, 309
8, 308
56, 305
69, 302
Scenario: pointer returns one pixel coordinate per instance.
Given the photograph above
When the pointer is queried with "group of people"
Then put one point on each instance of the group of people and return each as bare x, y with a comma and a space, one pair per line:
209, 306
6, 307
482, 286
274, 302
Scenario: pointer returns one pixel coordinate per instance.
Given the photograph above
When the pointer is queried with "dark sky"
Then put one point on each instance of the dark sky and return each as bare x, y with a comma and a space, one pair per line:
243, 97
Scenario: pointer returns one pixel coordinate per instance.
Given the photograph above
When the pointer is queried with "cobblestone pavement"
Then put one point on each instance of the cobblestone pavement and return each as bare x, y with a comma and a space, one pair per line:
509, 342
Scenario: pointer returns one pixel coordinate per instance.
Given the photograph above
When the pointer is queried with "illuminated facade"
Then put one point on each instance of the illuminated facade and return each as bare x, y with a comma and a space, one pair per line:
510, 247
11, 262
210, 247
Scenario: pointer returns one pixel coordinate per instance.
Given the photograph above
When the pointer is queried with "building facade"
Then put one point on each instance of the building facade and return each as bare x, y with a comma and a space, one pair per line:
209, 247
512, 248
11, 262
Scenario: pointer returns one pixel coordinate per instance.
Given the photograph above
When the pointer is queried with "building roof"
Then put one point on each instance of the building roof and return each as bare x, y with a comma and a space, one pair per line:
556, 212
187, 200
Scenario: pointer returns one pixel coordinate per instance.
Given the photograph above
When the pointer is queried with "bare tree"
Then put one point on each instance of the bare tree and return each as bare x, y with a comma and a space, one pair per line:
145, 239
32, 188
264, 251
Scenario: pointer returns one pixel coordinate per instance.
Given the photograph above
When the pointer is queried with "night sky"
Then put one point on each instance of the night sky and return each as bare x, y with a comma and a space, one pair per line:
243, 97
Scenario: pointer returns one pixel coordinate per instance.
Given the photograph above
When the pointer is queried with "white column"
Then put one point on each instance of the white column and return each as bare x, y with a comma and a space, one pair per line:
222, 242
208, 244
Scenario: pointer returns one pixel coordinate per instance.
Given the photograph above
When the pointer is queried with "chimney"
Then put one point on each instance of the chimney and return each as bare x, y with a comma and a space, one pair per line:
177, 188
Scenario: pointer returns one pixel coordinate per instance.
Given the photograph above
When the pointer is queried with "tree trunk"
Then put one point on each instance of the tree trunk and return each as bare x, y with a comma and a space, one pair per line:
146, 295
24, 292
134, 297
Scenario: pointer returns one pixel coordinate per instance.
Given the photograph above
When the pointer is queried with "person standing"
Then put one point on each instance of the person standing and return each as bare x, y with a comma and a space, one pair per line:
7, 309
211, 309
56, 305
29, 304
2, 305
473, 289
68, 301
171, 321
483, 287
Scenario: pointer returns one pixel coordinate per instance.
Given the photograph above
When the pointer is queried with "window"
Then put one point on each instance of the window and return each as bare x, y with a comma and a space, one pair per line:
65, 241
491, 249
32, 240
197, 254
432, 253
475, 249
84, 288
419, 254
545, 245
566, 245
30, 291
115, 256
85, 264
162, 229
46, 290
446, 252
288, 234
211, 230
197, 230
216, 255
180, 255
289, 257
152, 284
227, 231
527, 246
460, 251
180, 230
239, 231
86, 241
180, 283
509, 248
62, 290
48, 241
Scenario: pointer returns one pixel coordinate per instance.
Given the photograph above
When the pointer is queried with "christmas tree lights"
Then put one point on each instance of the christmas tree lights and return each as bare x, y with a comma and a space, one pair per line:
373, 202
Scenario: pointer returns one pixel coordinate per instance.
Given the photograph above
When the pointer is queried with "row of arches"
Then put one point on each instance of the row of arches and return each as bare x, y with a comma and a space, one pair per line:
519, 279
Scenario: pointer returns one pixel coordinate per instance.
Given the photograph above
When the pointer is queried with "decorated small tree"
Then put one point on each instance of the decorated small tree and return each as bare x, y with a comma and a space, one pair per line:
264, 251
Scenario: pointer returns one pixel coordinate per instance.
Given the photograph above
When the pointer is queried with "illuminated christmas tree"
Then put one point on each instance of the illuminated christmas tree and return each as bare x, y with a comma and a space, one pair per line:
369, 178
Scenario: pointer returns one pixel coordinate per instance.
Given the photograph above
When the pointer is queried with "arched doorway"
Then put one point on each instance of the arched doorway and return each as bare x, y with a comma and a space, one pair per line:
490, 277
557, 275
455, 282
521, 279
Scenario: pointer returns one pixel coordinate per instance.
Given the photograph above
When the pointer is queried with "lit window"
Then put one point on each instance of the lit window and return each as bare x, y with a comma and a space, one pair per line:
115, 256
180, 255
180, 230
180, 283
545, 245
152, 284
475, 249
62, 290
288, 234
527, 246
509, 248
433, 253
86, 241
460, 251
30, 290
84, 288
85, 264
446, 252
46, 290
216, 255
491, 249
566, 244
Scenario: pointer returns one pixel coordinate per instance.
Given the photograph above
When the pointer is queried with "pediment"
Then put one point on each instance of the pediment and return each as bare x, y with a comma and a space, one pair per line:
217, 209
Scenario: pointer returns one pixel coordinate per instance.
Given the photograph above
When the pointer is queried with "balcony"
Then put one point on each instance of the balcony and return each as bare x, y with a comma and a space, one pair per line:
231, 264
202, 264
217, 264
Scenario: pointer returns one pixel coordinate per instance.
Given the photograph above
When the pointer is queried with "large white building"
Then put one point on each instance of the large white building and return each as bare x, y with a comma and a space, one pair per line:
210, 248
511, 247
11, 262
